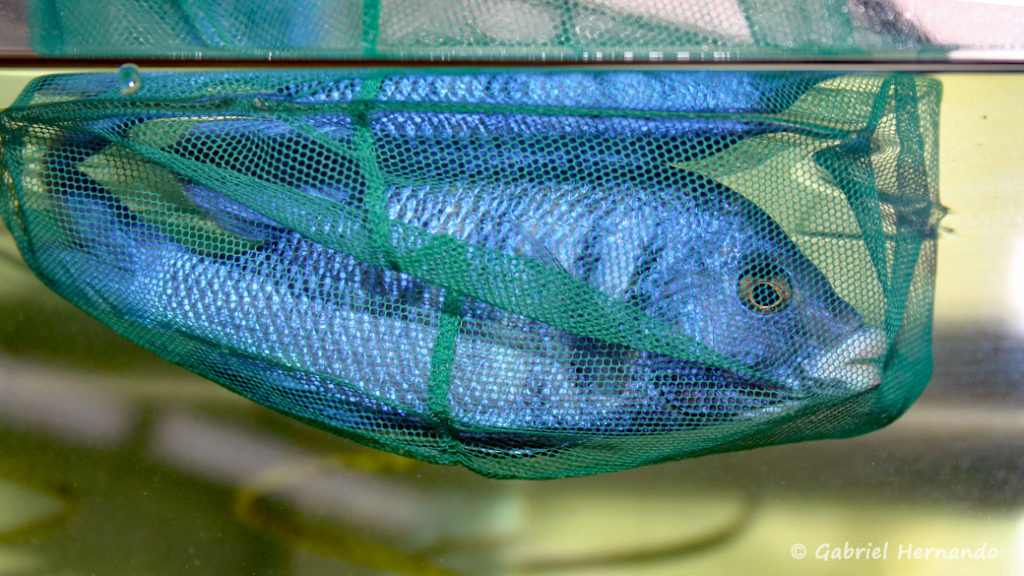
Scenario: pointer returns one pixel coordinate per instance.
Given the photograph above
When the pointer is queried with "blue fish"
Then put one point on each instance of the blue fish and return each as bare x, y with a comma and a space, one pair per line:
407, 278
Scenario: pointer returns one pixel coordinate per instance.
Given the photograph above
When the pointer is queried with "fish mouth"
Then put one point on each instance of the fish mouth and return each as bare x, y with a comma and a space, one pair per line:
855, 363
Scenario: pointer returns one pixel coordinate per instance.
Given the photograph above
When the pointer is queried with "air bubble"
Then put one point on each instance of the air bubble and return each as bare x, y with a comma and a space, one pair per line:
128, 78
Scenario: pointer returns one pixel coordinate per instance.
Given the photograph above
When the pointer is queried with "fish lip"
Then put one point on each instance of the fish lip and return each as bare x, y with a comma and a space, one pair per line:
852, 365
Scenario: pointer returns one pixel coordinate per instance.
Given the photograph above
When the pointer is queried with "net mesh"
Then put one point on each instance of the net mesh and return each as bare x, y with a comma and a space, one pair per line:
590, 30
533, 274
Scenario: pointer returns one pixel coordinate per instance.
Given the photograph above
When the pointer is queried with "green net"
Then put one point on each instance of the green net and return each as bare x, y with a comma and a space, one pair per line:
532, 274
574, 30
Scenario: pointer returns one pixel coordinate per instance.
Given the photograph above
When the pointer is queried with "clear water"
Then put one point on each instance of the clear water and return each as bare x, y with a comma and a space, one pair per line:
113, 461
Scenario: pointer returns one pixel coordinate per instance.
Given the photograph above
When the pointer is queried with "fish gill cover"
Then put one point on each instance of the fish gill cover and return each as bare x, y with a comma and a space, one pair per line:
532, 274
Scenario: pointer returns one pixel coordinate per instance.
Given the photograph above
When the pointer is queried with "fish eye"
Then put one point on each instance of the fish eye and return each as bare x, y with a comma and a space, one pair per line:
764, 288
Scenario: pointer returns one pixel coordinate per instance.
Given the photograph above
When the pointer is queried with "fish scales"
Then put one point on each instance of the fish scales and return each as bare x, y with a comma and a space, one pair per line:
436, 263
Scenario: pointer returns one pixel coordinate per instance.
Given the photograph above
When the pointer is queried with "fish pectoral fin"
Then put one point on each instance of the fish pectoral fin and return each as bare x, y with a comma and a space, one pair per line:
533, 248
708, 394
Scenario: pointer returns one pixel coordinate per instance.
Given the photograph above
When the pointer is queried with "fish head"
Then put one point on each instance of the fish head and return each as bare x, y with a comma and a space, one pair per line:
740, 287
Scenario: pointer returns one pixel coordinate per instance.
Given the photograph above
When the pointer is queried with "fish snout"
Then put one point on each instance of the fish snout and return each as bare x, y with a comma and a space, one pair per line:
856, 362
